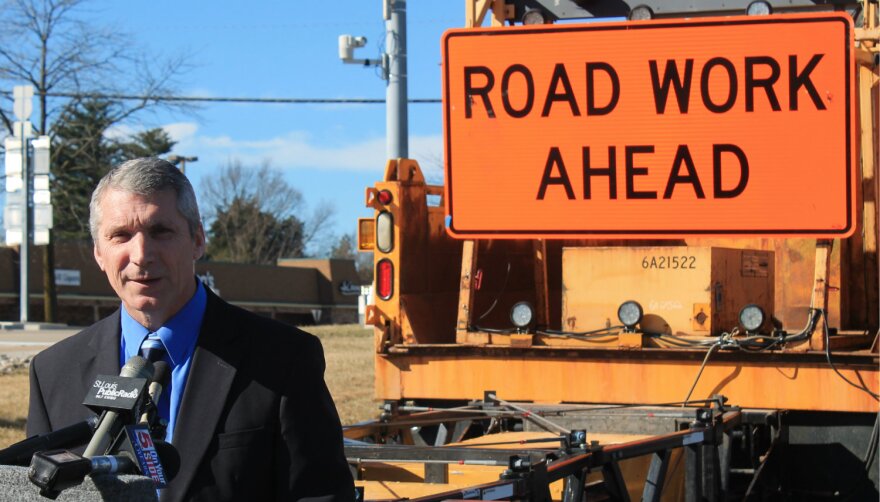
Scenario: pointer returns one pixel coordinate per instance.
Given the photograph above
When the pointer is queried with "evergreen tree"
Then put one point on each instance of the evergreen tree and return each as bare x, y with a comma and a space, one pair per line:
346, 247
243, 233
255, 216
82, 154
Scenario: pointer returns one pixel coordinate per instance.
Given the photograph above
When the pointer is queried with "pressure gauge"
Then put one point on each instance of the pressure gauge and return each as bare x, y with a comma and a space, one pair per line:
522, 314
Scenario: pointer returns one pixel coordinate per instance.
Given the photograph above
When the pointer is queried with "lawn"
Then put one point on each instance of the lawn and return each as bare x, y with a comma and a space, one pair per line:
347, 349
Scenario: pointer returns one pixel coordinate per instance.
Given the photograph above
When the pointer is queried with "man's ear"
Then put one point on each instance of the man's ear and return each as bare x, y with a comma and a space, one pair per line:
199, 241
98, 257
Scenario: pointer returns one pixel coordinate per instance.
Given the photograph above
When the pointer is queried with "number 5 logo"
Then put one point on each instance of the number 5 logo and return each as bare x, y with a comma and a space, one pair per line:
145, 440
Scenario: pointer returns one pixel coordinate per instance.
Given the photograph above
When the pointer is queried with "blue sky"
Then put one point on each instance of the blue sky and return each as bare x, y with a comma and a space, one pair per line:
289, 49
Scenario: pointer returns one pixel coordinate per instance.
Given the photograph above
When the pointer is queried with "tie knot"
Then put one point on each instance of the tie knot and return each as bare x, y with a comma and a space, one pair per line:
152, 349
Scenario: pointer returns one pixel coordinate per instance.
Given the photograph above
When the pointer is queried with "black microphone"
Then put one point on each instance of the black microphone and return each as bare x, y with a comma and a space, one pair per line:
170, 458
161, 377
67, 437
115, 401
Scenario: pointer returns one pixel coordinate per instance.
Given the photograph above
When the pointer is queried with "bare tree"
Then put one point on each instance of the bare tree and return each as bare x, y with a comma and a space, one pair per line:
316, 233
254, 215
54, 46
432, 167
67, 57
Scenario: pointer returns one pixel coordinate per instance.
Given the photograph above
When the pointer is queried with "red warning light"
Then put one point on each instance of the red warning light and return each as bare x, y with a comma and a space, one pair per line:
385, 197
385, 279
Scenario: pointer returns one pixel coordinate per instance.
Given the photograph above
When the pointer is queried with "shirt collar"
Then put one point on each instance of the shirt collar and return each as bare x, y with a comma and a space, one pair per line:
178, 334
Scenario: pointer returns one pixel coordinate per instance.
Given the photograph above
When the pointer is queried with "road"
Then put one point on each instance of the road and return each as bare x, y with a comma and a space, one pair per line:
19, 343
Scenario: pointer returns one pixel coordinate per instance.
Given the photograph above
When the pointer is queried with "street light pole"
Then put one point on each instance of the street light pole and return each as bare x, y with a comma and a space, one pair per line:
22, 107
24, 253
180, 160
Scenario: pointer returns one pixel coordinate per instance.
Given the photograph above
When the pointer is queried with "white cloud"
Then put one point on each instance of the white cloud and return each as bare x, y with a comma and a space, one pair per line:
181, 131
121, 131
299, 149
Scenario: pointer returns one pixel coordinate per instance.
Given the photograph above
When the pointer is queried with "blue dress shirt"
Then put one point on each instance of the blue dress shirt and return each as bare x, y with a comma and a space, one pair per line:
179, 335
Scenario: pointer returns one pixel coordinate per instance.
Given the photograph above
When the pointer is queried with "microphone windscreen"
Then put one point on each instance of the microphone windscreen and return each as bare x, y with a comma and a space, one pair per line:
137, 367
170, 458
162, 371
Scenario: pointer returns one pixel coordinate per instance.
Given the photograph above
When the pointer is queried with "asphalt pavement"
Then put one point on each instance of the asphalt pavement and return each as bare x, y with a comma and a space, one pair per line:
21, 341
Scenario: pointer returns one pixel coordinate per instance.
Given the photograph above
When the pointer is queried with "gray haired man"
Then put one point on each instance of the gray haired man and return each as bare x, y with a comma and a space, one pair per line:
246, 405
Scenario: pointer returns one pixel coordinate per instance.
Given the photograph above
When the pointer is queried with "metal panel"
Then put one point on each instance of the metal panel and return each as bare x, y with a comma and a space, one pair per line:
644, 376
574, 9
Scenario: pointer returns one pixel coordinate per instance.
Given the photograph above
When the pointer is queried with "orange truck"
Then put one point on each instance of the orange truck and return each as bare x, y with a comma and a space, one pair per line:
652, 269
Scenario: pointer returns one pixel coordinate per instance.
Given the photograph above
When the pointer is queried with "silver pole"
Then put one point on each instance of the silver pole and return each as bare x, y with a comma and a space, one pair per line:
24, 254
396, 125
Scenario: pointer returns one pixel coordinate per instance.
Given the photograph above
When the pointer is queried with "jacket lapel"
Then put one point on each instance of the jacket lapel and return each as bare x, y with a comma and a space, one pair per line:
214, 364
103, 355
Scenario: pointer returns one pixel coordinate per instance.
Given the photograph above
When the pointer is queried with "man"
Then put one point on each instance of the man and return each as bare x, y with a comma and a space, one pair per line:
247, 407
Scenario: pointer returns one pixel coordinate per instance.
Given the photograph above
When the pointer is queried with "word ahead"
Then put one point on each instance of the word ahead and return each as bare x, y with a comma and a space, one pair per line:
718, 126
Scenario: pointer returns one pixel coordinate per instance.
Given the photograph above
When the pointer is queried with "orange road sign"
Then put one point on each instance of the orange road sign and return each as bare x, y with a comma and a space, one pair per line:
714, 126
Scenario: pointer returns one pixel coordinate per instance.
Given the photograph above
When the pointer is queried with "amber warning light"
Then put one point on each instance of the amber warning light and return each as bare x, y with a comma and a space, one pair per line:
713, 126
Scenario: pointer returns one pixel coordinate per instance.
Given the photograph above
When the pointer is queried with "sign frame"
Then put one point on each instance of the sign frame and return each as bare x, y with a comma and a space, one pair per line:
848, 163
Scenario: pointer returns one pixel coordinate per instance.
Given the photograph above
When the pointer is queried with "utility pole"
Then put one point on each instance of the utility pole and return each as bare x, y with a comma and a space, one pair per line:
396, 122
42, 221
50, 304
393, 64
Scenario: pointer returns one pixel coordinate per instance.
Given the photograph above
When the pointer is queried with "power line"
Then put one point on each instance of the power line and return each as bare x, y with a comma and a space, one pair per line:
207, 99
300, 26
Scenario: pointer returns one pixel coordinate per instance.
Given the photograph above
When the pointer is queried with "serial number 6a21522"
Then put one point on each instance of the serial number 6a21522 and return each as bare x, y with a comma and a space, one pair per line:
670, 262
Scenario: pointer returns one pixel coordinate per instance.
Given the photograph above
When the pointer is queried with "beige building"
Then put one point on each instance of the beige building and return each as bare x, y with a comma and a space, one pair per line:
296, 291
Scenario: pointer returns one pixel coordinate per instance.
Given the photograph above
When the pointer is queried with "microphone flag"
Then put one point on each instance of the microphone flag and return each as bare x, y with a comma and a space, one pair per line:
144, 451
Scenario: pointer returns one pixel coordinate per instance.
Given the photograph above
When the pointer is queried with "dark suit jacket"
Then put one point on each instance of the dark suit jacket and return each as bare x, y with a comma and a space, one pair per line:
256, 421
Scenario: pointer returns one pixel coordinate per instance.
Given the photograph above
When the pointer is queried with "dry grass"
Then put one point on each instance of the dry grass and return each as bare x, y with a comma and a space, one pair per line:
348, 350
13, 406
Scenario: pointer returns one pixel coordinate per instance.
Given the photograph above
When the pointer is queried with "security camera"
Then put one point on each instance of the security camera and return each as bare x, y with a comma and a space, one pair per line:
347, 45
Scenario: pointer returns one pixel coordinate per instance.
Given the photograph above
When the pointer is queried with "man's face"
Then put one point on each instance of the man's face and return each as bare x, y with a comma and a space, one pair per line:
145, 248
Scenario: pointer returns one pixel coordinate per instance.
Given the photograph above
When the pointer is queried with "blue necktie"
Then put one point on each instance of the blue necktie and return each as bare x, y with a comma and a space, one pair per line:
153, 350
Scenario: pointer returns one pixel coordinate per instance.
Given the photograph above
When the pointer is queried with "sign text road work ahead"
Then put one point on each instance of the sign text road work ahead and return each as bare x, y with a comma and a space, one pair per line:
714, 126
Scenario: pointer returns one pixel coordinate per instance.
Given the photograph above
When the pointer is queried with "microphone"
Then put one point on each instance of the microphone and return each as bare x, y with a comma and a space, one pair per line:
112, 464
55, 471
140, 460
67, 437
161, 376
169, 459
137, 371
